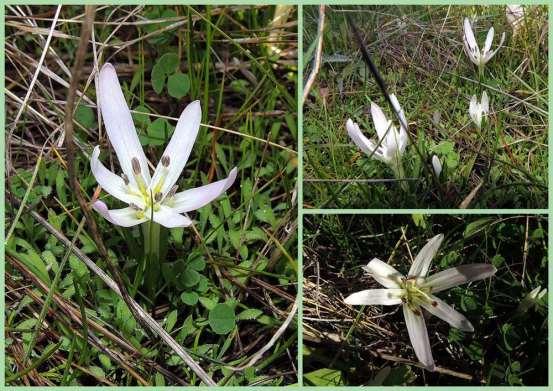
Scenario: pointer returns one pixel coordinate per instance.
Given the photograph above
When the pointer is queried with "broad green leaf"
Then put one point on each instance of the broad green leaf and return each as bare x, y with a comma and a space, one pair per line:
158, 77
85, 116
249, 314
222, 319
168, 63
189, 298
178, 85
325, 377
171, 320
189, 278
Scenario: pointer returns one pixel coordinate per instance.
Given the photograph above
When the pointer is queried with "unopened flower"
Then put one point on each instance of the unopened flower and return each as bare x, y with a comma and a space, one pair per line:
477, 111
416, 291
437, 165
391, 143
149, 197
515, 16
477, 56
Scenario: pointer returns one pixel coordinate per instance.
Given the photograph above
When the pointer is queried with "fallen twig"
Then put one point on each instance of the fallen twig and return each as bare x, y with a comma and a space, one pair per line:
318, 55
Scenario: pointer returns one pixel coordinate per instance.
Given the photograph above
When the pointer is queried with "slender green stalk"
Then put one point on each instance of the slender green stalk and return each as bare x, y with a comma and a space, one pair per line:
151, 266
51, 292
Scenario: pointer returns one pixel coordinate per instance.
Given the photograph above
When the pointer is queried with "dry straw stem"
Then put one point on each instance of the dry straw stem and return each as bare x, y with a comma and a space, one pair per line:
147, 322
318, 54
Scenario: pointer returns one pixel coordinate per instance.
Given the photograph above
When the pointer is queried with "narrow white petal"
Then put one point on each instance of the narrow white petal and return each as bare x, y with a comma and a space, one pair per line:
450, 278
179, 148
171, 219
492, 53
358, 138
469, 36
485, 103
125, 217
119, 123
422, 261
472, 55
385, 274
399, 109
446, 312
375, 297
193, 199
381, 124
110, 182
488, 43
437, 165
419, 337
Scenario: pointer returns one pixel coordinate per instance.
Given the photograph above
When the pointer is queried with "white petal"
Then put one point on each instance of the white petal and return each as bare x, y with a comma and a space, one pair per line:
381, 124
385, 274
488, 43
422, 261
437, 165
473, 106
358, 138
119, 123
485, 103
469, 36
170, 219
179, 148
125, 217
375, 297
193, 199
458, 275
110, 182
399, 109
445, 312
492, 53
365, 144
419, 337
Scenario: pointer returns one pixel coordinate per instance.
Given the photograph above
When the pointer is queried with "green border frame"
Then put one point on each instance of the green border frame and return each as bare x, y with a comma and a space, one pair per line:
301, 212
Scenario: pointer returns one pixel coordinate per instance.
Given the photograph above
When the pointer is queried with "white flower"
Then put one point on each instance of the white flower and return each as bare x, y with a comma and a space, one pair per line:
515, 16
390, 144
416, 291
437, 165
479, 58
149, 197
478, 110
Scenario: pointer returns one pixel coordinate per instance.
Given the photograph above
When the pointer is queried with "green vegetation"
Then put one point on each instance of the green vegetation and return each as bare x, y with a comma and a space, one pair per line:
226, 284
419, 53
369, 345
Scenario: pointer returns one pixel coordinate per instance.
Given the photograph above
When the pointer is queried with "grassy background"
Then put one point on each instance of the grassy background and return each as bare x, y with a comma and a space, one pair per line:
347, 344
419, 52
243, 254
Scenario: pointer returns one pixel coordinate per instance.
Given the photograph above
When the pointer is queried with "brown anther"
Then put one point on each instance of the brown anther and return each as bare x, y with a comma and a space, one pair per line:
125, 179
158, 197
172, 192
404, 300
434, 303
134, 206
417, 312
135, 166
165, 161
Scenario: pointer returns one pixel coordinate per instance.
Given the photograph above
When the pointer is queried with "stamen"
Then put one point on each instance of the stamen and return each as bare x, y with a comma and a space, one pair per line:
434, 304
125, 179
158, 197
172, 192
134, 206
417, 312
165, 161
135, 166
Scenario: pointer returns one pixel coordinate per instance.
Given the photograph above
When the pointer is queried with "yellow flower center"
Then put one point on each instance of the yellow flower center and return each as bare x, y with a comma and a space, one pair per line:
414, 295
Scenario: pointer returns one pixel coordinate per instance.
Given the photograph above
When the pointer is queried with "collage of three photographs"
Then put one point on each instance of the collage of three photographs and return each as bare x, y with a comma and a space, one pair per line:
276, 195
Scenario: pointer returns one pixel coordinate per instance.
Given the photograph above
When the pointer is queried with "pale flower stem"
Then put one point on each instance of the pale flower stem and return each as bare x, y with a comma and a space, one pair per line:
399, 173
151, 262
